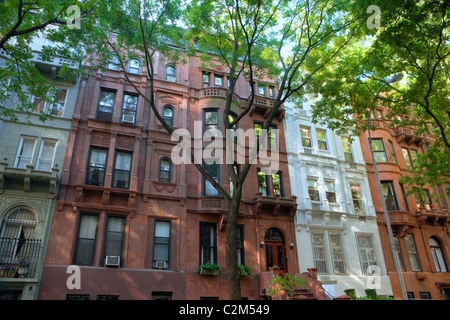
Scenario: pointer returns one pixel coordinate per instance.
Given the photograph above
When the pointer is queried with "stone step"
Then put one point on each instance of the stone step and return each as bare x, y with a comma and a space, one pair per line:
303, 294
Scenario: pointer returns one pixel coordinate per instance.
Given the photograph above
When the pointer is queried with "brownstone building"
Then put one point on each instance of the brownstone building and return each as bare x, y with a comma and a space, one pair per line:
420, 227
137, 225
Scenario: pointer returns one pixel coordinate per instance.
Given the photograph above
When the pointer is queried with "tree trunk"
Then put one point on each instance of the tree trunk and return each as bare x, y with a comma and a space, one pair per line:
234, 284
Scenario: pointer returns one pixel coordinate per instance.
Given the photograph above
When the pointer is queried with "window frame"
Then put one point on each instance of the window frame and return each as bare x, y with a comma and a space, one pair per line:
207, 228
206, 75
160, 242
315, 190
87, 180
52, 161
75, 259
266, 181
349, 145
169, 76
319, 256
320, 142
134, 69
108, 116
376, 152
205, 181
306, 138
126, 108
168, 120
369, 252
19, 151
169, 179
107, 233
329, 193
218, 77
281, 191
394, 196
116, 171
433, 249
217, 123
412, 252
392, 151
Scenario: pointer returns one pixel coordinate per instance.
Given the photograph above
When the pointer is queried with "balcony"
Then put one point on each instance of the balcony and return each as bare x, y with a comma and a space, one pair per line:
275, 206
264, 105
29, 179
19, 257
408, 135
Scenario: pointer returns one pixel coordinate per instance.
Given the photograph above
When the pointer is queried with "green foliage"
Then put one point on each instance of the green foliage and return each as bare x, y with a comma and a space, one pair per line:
212, 268
245, 271
351, 293
285, 283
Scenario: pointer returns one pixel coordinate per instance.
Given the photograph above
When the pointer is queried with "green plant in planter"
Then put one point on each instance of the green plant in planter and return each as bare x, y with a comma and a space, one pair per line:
209, 268
351, 293
245, 271
286, 283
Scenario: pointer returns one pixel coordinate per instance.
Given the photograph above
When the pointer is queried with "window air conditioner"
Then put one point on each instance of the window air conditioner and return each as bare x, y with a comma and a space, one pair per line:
160, 264
112, 261
128, 118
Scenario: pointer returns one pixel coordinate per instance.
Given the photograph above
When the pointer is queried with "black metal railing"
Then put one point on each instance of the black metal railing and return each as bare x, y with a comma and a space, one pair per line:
19, 257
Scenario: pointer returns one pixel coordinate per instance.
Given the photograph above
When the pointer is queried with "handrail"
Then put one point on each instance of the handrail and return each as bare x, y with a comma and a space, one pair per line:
325, 292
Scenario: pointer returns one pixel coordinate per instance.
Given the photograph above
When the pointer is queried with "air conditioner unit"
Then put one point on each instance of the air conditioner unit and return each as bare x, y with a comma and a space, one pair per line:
160, 264
128, 118
112, 261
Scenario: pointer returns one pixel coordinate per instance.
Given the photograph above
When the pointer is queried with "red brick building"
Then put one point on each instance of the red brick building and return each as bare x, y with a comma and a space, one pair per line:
421, 229
139, 226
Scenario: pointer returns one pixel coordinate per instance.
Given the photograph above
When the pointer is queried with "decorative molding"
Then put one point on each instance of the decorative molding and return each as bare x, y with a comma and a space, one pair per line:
164, 186
100, 138
207, 203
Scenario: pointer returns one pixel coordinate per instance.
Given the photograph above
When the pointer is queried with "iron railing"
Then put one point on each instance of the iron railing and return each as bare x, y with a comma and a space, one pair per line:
19, 257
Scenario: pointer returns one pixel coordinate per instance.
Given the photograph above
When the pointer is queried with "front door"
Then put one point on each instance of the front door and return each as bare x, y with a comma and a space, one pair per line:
275, 250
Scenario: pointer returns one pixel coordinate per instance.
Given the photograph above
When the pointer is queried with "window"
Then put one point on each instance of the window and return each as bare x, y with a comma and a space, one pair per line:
168, 115
96, 168
129, 107
407, 158
356, 198
205, 79
171, 74
46, 155
122, 169
405, 201
318, 248
273, 138
277, 188
25, 152
161, 245
240, 246
134, 66
106, 105
236, 171
312, 190
57, 108
438, 257
391, 149
423, 198
261, 90
211, 121
347, 147
218, 80
306, 137
258, 127
378, 150
412, 252
425, 295
330, 191
114, 236
16, 233
262, 182
113, 62
85, 245
272, 92
164, 170
337, 253
213, 170
322, 139
414, 156
398, 252
378, 114
387, 188
208, 243
366, 252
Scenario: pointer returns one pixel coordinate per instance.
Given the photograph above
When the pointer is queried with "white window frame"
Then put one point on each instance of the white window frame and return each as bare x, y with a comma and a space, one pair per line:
325, 141
16, 159
368, 251
46, 106
55, 143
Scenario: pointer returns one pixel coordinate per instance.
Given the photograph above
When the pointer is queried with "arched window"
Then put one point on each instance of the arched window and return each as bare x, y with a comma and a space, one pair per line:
171, 73
134, 66
438, 257
168, 115
165, 167
18, 226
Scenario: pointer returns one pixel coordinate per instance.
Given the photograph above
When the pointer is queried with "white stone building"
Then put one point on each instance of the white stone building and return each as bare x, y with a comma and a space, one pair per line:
336, 228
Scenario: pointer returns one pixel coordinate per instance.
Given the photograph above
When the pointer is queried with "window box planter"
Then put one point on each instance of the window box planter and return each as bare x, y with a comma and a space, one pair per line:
208, 268
244, 271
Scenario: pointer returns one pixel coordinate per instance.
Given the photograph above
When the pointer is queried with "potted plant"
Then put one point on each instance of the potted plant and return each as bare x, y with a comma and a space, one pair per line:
244, 271
22, 268
285, 284
209, 269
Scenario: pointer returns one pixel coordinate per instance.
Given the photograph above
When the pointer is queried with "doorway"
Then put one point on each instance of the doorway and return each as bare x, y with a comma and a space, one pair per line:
275, 250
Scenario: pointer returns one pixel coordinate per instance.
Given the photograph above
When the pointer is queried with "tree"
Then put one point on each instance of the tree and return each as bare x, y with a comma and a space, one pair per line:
248, 39
20, 23
413, 38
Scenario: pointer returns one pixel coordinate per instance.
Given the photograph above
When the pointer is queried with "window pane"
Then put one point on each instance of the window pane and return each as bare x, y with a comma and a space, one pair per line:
318, 252
406, 157
262, 183
25, 154
114, 236
389, 195
412, 252
46, 156
57, 108
123, 161
276, 184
